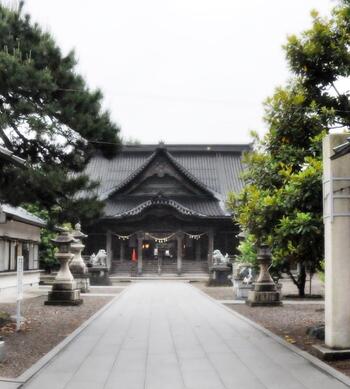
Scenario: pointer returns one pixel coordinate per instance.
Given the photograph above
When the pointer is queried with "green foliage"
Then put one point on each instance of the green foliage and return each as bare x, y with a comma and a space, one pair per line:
281, 203
321, 271
247, 251
49, 117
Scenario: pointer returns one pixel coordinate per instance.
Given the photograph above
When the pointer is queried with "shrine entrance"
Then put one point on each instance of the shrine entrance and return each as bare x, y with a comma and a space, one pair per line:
163, 249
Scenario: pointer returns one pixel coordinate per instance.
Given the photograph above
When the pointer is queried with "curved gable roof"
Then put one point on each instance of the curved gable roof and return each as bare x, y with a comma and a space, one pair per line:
137, 172
216, 167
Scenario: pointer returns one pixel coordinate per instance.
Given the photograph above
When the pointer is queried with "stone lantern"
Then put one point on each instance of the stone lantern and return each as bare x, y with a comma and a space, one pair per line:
64, 290
264, 292
77, 265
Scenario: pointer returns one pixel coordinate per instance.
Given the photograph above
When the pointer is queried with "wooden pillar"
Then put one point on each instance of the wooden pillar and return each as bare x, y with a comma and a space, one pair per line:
198, 249
210, 247
109, 249
122, 250
140, 238
180, 242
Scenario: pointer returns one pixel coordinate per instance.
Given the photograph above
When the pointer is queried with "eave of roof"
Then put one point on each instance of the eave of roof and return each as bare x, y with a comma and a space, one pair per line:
341, 150
20, 214
203, 207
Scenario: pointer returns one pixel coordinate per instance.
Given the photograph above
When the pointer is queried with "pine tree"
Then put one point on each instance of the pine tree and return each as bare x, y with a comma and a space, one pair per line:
50, 118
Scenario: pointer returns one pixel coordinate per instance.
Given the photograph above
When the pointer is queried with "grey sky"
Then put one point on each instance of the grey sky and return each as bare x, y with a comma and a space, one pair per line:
182, 71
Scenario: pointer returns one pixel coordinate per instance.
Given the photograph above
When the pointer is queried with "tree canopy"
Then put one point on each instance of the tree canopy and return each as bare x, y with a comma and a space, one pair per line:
282, 201
50, 118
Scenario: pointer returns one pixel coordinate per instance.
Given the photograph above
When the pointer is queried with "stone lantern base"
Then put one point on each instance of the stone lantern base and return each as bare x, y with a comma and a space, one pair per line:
64, 294
81, 277
264, 294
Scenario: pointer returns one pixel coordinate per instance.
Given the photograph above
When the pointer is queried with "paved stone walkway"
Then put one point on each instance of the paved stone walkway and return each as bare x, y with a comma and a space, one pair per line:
167, 335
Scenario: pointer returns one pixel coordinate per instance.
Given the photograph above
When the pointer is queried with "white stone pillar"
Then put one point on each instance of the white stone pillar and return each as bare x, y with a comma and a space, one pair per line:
337, 244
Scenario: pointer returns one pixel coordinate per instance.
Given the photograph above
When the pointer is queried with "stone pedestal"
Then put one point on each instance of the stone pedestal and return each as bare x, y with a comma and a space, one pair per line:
240, 289
77, 265
265, 292
99, 276
263, 298
220, 275
63, 294
64, 289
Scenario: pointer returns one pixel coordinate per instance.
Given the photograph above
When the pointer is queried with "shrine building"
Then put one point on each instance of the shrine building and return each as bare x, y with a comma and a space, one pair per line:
165, 207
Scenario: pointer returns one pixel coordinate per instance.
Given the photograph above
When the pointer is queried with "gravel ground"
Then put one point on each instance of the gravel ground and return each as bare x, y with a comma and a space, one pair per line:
288, 288
291, 322
217, 292
44, 328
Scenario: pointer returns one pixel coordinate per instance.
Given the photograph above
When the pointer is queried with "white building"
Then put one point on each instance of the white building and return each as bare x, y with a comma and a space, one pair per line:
19, 235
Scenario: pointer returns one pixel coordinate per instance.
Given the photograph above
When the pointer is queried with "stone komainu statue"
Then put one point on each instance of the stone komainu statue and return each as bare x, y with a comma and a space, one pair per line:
219, 259
100, 259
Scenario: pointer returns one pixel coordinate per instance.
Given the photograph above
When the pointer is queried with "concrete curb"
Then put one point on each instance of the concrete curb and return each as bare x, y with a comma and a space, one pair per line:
42, 362
310, 358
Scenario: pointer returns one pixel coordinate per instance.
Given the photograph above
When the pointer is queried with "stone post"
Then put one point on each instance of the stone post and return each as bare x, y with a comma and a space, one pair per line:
77, 265
140, 238
180, 242
337, 244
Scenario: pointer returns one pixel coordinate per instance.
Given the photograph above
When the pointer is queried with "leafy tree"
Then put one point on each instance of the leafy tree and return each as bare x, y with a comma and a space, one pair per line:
282, 201
50, 118
247, 251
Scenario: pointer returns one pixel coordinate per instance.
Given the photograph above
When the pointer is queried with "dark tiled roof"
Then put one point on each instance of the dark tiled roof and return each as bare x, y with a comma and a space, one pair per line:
218, 169
214, 168
20, 214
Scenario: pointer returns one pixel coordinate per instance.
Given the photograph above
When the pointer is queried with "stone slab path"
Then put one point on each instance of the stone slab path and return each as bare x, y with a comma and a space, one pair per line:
168, 335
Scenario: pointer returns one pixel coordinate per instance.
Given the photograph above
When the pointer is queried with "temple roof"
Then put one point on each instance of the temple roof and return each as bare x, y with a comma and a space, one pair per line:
22, 215
213, 169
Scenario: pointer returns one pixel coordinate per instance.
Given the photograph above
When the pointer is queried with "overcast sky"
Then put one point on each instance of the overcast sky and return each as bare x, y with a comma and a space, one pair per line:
181, 71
